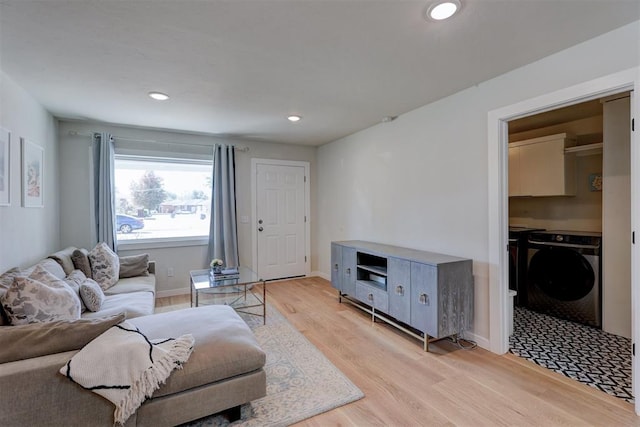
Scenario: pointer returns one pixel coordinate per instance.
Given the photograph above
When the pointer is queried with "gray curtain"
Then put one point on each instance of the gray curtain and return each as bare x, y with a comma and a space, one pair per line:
103, 184
223, 233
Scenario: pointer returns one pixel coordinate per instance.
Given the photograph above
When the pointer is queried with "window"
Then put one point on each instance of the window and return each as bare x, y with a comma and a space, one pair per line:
161, 198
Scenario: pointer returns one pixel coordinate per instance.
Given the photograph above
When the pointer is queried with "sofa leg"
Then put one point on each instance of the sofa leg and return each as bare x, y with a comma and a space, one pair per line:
233, 414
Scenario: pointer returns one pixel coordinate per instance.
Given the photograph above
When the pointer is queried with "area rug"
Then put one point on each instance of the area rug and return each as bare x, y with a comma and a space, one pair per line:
301, 381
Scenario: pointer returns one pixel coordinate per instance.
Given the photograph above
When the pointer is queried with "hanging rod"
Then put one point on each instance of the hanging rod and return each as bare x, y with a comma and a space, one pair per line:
153, 141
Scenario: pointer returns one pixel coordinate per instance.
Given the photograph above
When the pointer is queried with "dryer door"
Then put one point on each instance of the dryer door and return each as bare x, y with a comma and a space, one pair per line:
562, 274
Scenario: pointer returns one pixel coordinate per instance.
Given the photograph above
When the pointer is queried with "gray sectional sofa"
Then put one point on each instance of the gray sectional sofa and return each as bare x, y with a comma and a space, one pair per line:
224, 371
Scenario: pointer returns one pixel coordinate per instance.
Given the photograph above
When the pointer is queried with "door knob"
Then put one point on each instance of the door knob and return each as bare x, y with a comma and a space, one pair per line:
260, 228
259, 221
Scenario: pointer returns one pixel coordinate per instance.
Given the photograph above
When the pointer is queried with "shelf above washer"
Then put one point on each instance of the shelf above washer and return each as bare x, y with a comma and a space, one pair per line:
585, 150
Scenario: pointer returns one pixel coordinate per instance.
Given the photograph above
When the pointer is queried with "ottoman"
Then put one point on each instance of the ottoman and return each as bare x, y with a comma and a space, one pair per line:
224, 371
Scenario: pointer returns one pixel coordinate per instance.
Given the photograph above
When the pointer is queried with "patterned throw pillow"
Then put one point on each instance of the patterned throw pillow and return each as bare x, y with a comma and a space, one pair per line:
92, 295
74, 280
41, 297
105, 265
6, 279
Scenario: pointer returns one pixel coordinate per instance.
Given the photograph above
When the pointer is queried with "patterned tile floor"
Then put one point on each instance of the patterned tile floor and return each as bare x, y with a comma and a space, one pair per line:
583, 353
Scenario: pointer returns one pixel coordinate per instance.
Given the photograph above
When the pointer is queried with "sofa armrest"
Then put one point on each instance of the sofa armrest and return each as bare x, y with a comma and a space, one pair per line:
152, 267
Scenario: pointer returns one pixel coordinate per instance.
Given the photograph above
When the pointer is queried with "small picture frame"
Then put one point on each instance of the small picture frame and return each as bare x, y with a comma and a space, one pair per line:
32, 175
5, 167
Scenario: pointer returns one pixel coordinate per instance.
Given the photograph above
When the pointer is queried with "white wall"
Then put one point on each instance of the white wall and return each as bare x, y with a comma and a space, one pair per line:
421, 181
76, 223
28, 234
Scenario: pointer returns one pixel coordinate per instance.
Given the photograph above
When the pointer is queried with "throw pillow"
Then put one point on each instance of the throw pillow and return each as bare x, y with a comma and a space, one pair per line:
6, 279
41, 297
134, 265
92, 295
39, 339
74, 280
80, 258
105, 265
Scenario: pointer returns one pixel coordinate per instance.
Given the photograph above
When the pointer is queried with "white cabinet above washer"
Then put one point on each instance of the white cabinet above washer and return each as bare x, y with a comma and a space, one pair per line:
540, 167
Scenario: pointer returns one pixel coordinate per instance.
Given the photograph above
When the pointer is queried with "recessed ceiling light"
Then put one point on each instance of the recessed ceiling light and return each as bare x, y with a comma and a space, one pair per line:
443, 9
294, 118
159, 96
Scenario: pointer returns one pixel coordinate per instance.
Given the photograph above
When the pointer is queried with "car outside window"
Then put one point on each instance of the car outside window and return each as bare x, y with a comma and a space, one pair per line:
161, 199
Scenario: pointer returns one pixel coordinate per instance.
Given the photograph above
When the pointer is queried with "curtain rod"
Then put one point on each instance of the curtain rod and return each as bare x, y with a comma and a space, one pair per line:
153, 141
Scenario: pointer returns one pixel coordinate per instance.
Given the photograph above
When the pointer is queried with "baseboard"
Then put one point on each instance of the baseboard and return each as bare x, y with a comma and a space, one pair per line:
172, 293
321, 274
480, 340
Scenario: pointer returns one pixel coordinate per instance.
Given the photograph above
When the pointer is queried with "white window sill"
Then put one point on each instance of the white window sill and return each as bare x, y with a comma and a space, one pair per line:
173, 242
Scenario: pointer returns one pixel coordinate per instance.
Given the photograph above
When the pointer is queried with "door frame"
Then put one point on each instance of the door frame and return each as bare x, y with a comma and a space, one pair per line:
498, 214
254, 208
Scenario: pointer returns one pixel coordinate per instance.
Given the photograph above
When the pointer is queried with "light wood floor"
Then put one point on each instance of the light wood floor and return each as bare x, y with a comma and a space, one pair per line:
405, 386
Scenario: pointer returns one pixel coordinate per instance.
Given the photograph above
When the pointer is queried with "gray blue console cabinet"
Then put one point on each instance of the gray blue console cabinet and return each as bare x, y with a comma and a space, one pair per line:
425, 294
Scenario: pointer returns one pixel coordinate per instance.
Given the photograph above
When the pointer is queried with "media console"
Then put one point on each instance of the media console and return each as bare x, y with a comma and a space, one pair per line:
425, 294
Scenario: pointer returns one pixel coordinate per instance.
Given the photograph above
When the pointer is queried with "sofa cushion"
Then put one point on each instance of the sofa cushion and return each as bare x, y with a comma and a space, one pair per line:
224, 345
41, 297
105, 265
80, 258
39, 339
63, 258
134, 265
133, 284
92, 295
132, 304
51, 266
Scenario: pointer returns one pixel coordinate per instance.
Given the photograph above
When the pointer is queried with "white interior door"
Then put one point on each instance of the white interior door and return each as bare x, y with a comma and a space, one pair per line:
280, 220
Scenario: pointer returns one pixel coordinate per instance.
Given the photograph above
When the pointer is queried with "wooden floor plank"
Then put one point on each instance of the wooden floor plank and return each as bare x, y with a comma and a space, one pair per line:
405, 386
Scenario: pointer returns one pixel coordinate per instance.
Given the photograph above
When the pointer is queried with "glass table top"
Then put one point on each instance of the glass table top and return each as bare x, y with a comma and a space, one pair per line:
204, 279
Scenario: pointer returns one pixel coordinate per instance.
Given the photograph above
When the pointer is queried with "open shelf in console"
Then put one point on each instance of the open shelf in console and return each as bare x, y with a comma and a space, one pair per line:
372, 270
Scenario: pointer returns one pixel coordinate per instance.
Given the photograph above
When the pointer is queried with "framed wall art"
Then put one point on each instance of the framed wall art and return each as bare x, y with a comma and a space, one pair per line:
5, 164
32, 175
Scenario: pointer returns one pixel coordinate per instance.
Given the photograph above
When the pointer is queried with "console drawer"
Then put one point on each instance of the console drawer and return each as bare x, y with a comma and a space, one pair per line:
375, 297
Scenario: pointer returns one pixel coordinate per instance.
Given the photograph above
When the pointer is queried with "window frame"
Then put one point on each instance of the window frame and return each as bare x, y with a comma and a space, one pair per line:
161, 242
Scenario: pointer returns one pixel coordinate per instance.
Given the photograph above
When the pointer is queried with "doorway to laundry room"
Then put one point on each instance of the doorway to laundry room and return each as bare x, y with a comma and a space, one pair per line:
569, 211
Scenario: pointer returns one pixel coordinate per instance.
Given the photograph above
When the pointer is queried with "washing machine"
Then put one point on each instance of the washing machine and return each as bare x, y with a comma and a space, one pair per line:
564, 275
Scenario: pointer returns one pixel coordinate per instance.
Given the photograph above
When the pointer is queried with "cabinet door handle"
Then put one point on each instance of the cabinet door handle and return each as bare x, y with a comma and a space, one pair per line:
335, 266
348, 271
424, 299
370, 297
400, 290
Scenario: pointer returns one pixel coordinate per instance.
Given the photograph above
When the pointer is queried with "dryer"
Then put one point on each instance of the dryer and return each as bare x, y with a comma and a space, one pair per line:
564, 275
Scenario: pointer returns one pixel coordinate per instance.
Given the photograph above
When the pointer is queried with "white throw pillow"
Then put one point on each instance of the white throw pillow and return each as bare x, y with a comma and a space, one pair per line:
92, 295
105, 265
41, 297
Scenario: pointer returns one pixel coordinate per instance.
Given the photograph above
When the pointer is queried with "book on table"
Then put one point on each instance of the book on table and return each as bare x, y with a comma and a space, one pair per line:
227, 273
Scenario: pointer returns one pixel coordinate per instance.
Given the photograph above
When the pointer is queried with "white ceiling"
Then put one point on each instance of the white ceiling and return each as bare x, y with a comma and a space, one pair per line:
239, 67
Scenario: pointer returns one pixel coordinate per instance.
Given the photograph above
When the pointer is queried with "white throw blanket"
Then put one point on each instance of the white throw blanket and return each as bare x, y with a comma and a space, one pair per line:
125, 367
